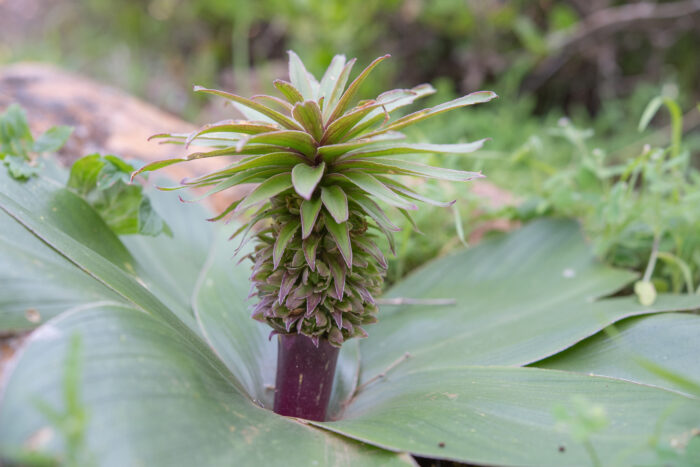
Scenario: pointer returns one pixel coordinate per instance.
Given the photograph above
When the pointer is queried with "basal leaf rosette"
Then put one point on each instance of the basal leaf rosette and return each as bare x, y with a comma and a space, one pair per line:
324, 163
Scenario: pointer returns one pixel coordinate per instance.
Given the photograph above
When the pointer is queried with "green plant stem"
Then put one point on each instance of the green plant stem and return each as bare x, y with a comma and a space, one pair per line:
652, 260
682, 266
595, 460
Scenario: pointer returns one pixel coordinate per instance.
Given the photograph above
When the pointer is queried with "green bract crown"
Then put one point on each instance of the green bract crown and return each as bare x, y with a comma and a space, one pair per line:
321, 164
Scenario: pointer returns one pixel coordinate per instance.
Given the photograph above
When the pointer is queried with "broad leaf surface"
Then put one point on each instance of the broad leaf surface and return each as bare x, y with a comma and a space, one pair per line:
125, 285
671, 341
36, 283
504, 416
40, 279
174, 262
155, 400
518, 299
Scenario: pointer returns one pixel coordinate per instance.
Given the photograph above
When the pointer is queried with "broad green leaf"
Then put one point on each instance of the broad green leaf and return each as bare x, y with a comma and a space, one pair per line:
282, 240
300, 77
470, 99
53, 139
374, 187
349, 94
37, 283
127, 286
504, 416
341, 235
271, 187
669, 341
518, 299
161, 262
330, 78
305, 178
52, 204
336, 202
291, 93
309, 213
173, 262
269, 113
309, 115
139, 373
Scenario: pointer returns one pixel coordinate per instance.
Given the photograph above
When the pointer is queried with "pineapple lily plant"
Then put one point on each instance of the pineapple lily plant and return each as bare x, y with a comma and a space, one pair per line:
321, 164
512, 369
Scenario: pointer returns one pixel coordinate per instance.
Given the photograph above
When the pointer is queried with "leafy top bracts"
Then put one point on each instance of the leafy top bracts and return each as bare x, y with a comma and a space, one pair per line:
322, 162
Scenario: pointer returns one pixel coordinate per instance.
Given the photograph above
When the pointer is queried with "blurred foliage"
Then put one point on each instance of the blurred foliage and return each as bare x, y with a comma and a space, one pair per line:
68, 422
105, 183
635, 189
19, 150
564, 53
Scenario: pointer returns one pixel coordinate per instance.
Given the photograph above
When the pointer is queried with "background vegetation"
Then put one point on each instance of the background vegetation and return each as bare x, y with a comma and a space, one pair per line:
569, 137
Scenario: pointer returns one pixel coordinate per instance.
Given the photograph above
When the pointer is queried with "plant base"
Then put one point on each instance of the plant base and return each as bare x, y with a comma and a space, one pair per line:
304, 376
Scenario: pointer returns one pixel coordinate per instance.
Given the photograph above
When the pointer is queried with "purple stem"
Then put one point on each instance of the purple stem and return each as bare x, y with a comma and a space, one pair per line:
304, 376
